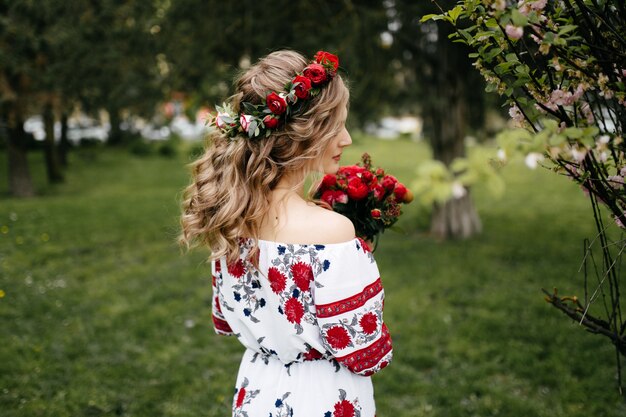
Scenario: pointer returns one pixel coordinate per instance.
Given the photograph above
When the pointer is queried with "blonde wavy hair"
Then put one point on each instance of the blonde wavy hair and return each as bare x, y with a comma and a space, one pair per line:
231, 182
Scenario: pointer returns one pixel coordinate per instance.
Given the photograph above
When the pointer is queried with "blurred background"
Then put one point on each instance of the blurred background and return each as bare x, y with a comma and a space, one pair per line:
102, 106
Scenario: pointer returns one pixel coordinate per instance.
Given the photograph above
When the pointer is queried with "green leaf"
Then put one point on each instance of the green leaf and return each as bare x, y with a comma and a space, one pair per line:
455, 13
428, 17
518, 18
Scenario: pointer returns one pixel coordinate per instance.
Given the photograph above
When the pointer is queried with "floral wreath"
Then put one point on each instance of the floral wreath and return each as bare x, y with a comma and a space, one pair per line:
260, 120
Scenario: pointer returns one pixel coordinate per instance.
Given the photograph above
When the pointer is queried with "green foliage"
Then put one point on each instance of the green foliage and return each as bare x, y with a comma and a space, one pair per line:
560, 64
102, 314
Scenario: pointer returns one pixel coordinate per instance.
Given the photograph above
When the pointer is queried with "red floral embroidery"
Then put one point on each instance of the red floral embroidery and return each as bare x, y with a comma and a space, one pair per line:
364, 246
217, 305
311, 355
344, 408
240, 397
302, 275
338, 337
218, 266
277, 280
294, 310
368, 323
237, 269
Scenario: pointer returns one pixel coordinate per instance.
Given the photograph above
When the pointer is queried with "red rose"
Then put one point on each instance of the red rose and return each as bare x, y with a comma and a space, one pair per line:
270, 122
389, 182
276, 103
380, 172
400, 191
329, 180
340, 197
350, 170
343, 408
237, 269
316, 73
338, 337
357, 190
277, 280
294, 310
368, 323
303, 87
367, 176
326, 58
376, 213
240, 397
328, 196
379, 192
302, 275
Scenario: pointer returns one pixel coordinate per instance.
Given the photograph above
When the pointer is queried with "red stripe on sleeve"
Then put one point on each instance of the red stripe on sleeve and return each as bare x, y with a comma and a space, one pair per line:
368, 357
350, 303
221, 325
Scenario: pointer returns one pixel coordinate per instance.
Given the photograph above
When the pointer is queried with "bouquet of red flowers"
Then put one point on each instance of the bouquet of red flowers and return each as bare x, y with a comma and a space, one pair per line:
367, 196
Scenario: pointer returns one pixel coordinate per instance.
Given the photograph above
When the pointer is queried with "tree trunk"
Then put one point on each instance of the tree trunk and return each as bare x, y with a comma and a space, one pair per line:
64, 145
115, 134
53, 167
448, 111
20, 182
456, 218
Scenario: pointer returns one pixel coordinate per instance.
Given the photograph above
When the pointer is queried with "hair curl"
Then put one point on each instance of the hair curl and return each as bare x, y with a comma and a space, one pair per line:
231, 182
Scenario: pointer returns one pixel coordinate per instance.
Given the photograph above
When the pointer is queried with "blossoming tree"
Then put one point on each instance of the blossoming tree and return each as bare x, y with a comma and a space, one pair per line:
561, 64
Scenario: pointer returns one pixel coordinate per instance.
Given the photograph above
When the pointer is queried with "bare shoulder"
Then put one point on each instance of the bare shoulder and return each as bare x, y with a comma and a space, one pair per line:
327, 226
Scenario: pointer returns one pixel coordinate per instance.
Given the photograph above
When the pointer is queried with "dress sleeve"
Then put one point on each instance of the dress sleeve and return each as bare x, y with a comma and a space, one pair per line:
349, 306
220, 324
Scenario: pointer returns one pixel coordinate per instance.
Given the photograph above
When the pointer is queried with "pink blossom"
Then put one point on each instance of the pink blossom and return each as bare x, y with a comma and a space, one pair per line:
538, 4
244, 121
533, 159
618, 222
514, 32
516, 114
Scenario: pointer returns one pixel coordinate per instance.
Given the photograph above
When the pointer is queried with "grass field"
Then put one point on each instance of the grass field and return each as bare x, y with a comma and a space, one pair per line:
101, 314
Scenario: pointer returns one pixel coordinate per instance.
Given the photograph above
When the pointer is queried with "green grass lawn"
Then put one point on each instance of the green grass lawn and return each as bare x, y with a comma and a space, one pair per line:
102, 314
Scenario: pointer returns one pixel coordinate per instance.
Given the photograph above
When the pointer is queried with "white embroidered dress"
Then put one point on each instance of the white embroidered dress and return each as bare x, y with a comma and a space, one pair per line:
311, 319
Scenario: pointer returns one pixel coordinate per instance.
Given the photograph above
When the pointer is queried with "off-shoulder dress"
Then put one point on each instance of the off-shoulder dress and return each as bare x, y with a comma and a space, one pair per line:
311, 319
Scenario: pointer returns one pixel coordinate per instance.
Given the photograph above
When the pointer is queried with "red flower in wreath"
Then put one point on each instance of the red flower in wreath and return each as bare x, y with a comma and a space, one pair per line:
323, 57
344, 408
338, 337
270, 122
240, 397
237, 269
368, 322
303, 87
357, 190
277, 280
302, 275
316, 73
276, 103
294, 310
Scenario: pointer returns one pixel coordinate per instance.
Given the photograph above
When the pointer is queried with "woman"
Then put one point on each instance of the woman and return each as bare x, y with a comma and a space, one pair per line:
290, 279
